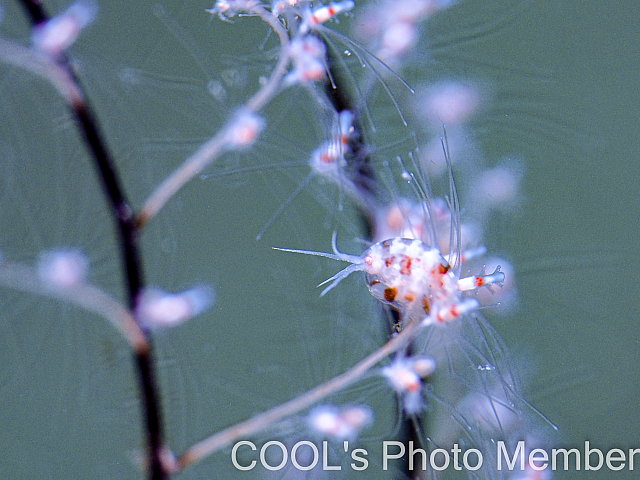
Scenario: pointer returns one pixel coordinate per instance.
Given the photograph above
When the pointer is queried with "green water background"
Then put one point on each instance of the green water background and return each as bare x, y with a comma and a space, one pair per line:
563, 78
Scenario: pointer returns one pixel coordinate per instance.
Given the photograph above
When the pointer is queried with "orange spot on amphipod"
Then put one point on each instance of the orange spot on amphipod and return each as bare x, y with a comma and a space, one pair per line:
390, 294
426, 305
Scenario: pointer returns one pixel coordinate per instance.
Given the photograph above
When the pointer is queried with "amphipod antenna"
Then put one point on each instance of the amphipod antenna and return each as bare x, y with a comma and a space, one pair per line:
358, 262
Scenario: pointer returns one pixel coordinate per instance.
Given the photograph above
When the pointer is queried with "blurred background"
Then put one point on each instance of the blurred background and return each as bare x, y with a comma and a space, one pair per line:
558, 83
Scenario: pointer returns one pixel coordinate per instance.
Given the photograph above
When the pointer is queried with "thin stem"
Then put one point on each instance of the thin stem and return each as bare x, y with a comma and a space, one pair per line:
211, 149
128, 232
262, 96
43, 66
206, 154
24, 278
258, 423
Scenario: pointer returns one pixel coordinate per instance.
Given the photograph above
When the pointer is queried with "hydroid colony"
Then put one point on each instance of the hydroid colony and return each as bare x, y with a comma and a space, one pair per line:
443, 365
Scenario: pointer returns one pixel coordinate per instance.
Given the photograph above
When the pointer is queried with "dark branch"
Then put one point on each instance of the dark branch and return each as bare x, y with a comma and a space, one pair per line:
128, 236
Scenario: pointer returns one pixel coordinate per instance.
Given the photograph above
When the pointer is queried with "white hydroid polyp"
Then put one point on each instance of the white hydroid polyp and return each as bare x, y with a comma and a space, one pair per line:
159, 309
60, 32
339, 423
390, 28
405, 375
63, 268
451, 103
243, 129
308, 54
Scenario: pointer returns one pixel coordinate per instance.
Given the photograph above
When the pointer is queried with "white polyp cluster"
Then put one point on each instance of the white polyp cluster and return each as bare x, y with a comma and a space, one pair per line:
243, 129
390, 27
405, 375
346, 130
311, 18
308, 54
226, 9
339, 423
159, 309
407, 218
222, 8
498, 188
328, 159
63, 268
450, 103
60, 32
421, 220
278, 6
454, 309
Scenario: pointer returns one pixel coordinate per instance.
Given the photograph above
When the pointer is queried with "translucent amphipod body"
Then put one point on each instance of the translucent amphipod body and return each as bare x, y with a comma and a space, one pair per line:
410, 275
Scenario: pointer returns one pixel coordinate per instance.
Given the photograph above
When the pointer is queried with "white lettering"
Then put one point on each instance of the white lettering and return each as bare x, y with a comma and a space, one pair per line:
632, 453
456, 450
465, 461
566, 453
423, 456
618, 458
363, 460
502, 450
294, 459
386, 456
325, 458
432, 459
538, 455
263, 459
234, 458
587, 457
